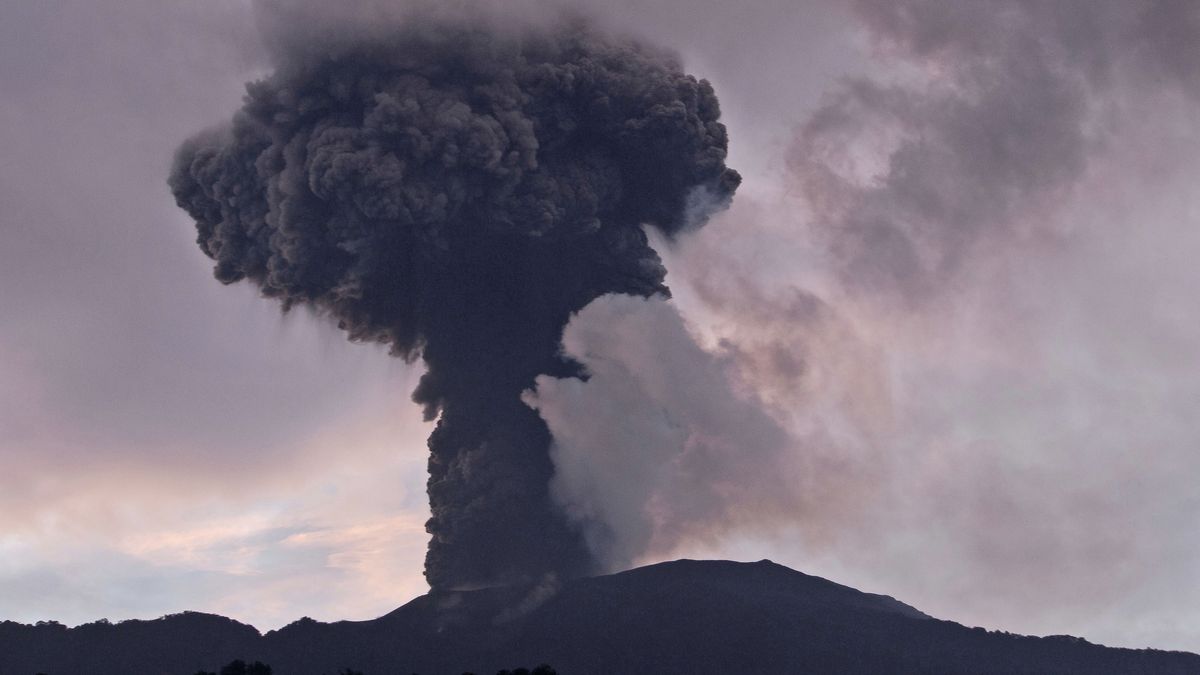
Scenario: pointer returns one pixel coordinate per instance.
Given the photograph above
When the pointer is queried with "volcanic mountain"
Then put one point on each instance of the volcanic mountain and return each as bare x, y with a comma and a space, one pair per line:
686, 616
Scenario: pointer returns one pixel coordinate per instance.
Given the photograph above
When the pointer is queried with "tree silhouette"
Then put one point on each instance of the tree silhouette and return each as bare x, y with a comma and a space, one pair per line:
542, 669
240, 667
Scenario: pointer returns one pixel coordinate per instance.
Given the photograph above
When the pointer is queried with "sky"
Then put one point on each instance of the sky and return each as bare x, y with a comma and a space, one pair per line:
942, 346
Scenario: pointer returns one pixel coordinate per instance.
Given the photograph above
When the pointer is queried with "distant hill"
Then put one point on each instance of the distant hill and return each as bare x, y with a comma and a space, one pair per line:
692, 617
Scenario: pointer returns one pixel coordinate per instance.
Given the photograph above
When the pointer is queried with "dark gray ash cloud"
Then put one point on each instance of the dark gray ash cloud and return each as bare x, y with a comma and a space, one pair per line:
456, 190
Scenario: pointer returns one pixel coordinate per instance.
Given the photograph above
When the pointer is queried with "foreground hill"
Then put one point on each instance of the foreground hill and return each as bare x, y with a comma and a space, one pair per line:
687, 616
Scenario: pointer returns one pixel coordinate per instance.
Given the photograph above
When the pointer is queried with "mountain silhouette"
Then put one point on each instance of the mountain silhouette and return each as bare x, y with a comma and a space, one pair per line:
687, 616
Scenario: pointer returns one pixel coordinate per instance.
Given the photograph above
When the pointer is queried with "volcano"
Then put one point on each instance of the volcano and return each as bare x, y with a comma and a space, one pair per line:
686, 616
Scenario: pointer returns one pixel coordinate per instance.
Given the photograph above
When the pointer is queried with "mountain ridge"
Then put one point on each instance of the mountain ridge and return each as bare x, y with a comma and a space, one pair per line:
684, 616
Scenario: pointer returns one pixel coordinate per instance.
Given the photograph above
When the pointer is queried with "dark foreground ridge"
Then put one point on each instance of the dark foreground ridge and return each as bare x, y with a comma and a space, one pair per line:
686, 616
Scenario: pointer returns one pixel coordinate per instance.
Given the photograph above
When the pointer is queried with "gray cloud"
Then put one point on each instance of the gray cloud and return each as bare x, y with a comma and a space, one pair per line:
975, 292
974, 151
656, 447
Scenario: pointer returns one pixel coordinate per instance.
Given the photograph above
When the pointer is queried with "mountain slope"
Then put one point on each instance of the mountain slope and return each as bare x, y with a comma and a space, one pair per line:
680, 617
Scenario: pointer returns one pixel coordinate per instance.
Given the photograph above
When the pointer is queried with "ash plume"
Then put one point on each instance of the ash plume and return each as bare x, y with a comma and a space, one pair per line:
457, 190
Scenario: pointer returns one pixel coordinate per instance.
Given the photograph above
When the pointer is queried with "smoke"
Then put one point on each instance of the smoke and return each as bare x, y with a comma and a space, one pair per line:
975, 150
908, 181
839, 327
456, 190
665, 445
652, 449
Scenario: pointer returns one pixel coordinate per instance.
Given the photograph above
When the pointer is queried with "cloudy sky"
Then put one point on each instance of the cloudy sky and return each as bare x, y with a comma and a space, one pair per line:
944, 346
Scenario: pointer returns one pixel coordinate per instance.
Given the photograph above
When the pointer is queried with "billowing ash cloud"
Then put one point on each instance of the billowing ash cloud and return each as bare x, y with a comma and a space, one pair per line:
456, 191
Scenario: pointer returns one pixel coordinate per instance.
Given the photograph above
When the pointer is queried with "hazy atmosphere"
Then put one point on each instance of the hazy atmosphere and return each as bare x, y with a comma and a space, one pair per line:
941, 343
